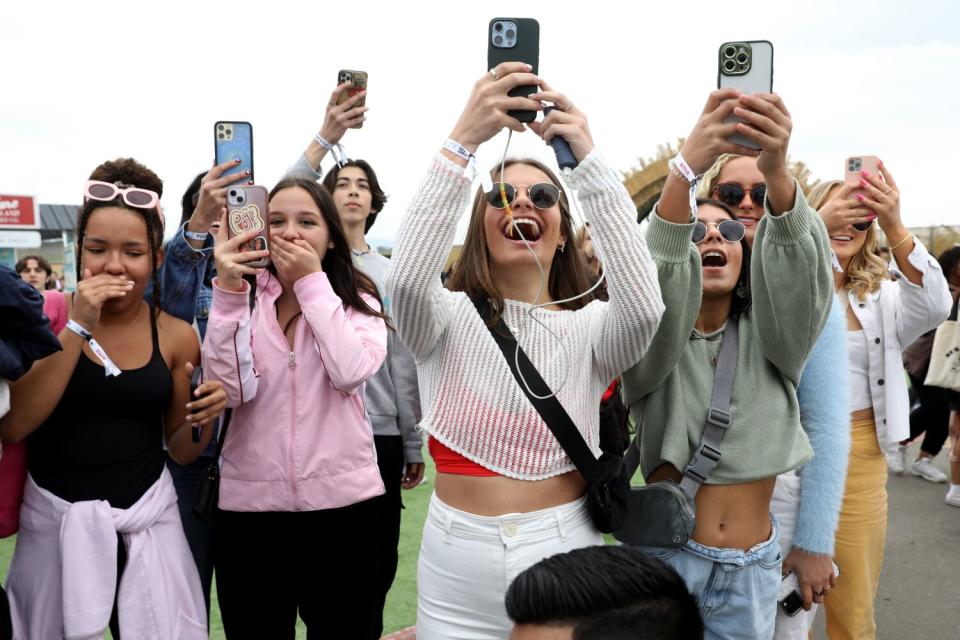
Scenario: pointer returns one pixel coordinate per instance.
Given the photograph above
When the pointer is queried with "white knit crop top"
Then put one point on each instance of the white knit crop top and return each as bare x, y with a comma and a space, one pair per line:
471, 401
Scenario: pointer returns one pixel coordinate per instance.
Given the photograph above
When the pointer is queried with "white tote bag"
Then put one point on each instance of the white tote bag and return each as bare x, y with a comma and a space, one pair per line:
945, 356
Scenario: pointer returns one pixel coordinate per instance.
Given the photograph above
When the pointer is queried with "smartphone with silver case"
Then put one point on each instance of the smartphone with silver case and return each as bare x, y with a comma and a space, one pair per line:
746, 66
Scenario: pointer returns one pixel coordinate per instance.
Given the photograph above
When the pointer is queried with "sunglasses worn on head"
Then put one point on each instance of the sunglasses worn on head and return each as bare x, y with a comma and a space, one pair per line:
731, 194
132, 196
543, 195
730, 230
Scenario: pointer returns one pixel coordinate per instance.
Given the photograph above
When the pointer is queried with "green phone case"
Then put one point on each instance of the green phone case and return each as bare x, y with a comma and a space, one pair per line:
527, 49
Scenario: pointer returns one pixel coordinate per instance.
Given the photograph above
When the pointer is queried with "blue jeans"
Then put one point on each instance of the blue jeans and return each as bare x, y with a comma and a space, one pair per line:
736, 589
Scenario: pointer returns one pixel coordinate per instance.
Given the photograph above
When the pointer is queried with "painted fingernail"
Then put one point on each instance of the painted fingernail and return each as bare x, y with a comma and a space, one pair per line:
237, 160
249, 181
863, 182
865, 173
860, 197
247, 172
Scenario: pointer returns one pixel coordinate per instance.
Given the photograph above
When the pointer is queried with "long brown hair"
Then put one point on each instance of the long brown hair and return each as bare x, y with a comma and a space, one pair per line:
569, 273
347, 282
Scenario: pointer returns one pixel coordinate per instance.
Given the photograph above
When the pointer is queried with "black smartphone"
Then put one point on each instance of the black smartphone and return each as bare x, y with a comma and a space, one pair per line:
515, 40
234, 141
195, 381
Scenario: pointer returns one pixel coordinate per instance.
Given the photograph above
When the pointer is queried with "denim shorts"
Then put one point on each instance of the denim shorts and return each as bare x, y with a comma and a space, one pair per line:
736, 589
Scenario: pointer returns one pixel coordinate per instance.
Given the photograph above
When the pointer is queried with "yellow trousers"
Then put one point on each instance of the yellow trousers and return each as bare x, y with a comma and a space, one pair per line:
861, 534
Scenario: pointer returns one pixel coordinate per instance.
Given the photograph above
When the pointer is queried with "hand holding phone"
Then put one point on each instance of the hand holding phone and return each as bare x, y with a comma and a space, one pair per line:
195, 381
207, 401
748, 68
354, 91
247, 210
486, 111
852, 177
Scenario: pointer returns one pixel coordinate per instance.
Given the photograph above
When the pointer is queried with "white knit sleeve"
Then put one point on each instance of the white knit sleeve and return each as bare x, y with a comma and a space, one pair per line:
421, 306
630, 320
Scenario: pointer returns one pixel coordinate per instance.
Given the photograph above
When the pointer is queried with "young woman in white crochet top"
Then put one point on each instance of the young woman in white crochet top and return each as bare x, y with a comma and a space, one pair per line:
506, 493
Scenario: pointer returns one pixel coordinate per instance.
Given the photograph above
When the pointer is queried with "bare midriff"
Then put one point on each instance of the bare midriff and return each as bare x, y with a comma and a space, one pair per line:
498, 495
729, 516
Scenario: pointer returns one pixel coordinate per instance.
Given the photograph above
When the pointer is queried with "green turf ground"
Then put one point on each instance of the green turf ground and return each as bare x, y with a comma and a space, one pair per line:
401, 608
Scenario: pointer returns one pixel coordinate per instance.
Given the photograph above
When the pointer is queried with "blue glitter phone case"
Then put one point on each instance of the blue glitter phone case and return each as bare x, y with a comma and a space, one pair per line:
232, 141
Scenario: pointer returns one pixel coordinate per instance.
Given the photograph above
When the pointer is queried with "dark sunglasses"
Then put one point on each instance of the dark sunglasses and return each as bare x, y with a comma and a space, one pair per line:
863, 226
731, 194
543, 195
730, 230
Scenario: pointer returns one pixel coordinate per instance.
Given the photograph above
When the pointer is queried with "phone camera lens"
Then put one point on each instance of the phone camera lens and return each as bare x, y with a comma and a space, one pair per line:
220, 135
233, 192
498, 40
240, 199
742, 57
729, 52
729, 66
498, 26
510, 34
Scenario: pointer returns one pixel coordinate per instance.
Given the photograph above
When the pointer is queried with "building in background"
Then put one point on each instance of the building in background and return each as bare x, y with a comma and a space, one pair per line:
48, 230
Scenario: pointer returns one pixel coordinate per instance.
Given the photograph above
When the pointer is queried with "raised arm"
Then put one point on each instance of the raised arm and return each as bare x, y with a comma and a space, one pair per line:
680, 282
421, 306
792, 284
337, 119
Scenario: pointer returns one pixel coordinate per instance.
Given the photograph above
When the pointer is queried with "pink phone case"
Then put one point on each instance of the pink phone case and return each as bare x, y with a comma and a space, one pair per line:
247, 210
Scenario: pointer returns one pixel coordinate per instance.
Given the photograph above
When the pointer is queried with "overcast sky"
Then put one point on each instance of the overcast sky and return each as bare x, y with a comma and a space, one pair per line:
85, 82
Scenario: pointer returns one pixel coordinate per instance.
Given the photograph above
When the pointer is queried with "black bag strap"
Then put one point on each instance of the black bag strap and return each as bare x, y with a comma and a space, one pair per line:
707, 454
221, 438
550, 409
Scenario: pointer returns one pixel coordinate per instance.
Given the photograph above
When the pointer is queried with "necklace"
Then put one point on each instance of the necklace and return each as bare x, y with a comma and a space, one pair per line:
125, 324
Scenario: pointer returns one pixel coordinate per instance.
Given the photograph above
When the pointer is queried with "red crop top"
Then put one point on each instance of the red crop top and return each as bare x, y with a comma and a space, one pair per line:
449, 461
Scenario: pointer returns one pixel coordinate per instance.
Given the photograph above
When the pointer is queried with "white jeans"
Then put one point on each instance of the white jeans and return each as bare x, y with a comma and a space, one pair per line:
467, 562
785, 505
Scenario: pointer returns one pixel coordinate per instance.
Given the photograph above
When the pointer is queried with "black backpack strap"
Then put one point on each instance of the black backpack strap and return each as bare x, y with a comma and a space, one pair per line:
550, 409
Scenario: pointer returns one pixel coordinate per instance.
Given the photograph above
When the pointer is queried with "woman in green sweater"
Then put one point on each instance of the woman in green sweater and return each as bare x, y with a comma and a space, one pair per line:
780, 298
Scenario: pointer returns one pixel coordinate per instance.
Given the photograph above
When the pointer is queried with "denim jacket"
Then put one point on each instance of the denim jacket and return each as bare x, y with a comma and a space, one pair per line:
183, 277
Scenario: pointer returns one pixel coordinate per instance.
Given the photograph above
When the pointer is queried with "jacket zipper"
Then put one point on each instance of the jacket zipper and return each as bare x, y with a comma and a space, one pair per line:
292, 364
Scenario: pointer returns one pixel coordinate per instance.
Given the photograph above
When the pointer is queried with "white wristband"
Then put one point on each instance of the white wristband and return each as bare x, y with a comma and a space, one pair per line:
337, 150
195, 235
109, 368
458, 149
679, 165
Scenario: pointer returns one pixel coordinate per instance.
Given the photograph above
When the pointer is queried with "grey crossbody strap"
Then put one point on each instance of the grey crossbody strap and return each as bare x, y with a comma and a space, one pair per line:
707, 454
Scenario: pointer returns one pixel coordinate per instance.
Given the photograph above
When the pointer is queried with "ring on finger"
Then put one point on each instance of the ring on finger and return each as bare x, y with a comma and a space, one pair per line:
889, 189
568, 107
493, 72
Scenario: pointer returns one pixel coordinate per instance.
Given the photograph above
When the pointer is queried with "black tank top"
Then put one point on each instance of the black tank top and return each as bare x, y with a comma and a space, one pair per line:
104, 439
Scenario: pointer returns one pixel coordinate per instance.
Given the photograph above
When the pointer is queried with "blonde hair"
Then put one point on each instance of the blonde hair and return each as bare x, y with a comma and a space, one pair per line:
866, 271
709, 179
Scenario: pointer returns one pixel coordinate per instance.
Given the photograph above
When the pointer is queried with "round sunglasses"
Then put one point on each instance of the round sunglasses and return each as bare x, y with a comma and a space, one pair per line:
730, 230
731, 193
543, 195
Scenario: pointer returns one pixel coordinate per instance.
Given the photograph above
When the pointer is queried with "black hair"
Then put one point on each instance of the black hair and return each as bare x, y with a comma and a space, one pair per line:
129, 173
43, 264
377, 197
741, 295
347, 282
187, 203
948, 260
615, 590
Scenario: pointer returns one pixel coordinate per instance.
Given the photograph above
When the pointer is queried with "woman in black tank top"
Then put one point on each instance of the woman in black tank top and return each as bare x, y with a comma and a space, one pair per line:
97, 414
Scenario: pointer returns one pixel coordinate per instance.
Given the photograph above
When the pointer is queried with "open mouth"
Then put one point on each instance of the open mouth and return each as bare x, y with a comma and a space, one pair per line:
522, 228
713, 259
841, 238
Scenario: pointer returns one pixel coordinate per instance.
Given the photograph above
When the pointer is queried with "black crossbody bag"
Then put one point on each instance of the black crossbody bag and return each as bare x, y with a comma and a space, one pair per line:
208, 488
608, 483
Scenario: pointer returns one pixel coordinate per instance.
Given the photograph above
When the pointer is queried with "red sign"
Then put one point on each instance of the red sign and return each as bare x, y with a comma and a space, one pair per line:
19, 212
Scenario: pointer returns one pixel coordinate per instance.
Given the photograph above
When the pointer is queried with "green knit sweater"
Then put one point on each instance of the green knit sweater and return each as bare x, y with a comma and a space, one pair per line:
669, 390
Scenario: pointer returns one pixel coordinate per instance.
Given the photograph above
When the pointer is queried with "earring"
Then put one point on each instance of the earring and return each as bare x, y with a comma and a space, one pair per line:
741, 289
562, 246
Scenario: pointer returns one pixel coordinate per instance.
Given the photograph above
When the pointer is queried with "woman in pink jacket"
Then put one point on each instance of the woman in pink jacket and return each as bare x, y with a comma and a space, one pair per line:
298, 470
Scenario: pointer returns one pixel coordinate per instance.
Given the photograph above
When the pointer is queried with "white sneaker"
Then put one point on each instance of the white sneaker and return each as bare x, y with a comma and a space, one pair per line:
897, 458
925, 468
953, 496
